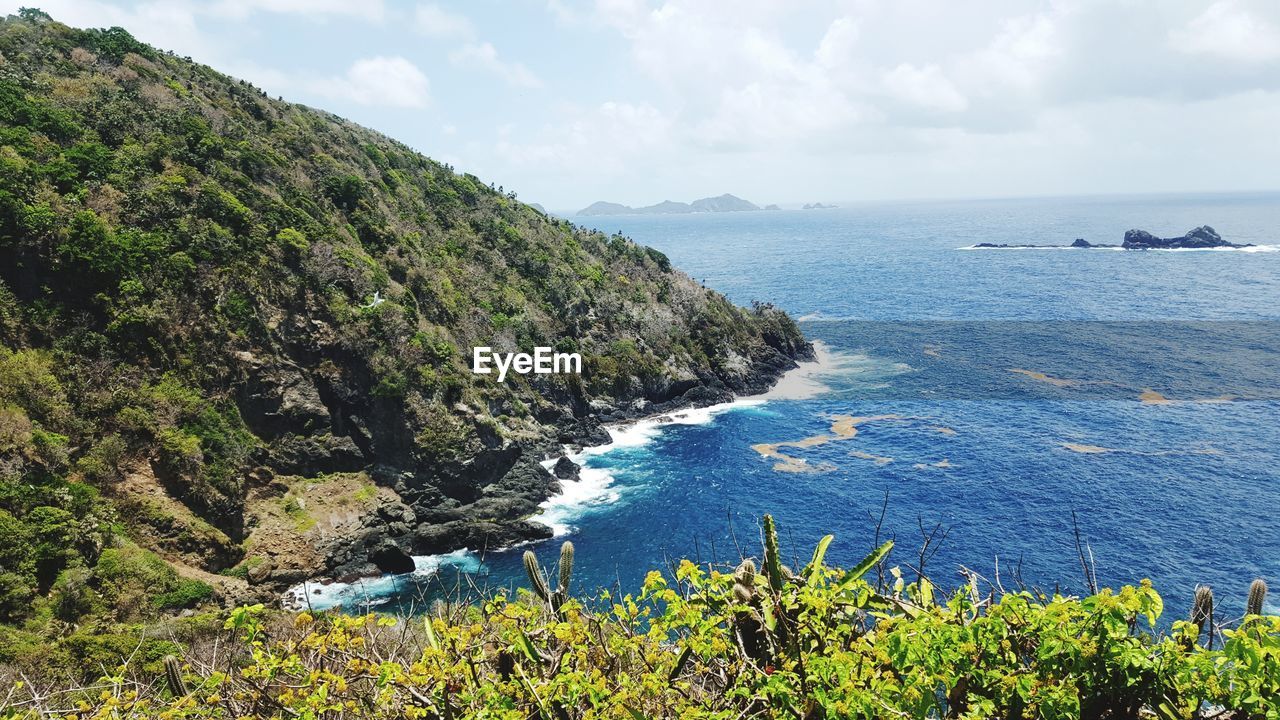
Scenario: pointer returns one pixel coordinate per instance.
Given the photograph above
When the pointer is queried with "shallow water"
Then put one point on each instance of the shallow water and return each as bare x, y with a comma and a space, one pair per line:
1140, 390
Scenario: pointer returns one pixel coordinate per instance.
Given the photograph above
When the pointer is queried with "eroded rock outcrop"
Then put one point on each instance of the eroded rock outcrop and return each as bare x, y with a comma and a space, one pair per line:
1201, 237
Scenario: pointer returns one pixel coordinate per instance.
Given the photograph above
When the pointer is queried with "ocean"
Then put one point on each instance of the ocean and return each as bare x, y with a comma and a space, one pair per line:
982, 407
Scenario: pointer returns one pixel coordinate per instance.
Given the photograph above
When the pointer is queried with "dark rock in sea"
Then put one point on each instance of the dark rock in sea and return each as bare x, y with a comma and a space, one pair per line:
565, 469
1081, 243
391, 558
1201, 237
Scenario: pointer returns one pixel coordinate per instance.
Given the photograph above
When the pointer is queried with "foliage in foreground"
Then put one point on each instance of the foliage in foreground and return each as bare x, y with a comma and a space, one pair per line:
820, 643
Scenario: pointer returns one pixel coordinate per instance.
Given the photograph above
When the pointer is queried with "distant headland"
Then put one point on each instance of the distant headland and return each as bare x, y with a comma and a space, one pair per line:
722, 203
1200, 238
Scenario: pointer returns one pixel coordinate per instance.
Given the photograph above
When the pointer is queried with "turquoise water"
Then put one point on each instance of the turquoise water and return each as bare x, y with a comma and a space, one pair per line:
1182, 488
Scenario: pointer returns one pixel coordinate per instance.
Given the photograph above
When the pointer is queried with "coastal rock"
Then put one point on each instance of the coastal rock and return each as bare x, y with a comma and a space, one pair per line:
1201, 237
565, 469
1081, 243
436, 539
391, 558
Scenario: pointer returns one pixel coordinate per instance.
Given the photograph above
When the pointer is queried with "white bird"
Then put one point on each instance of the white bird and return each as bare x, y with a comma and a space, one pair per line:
377, 300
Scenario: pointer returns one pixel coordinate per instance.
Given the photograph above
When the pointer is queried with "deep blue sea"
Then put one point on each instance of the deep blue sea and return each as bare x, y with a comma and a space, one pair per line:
993, 394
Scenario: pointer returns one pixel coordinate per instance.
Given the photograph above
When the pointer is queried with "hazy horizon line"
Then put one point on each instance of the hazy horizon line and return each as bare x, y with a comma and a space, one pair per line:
797, 204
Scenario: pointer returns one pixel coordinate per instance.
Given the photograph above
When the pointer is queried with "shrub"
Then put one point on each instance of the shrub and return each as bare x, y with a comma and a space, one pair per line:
293, 240
27, 381
15, 430
186, 593
72, 594
16, 593
121, 567
102, 462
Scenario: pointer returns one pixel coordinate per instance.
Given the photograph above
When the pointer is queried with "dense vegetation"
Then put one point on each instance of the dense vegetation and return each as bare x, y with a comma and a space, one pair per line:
191, 352
715, 643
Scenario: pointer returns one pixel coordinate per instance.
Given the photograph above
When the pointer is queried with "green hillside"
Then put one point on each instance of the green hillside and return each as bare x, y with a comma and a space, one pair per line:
200, 395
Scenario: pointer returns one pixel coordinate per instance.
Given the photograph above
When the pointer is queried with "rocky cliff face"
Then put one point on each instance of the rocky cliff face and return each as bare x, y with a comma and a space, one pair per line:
251, 321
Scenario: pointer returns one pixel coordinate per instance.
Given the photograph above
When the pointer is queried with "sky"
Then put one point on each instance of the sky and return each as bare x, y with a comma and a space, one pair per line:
636, 101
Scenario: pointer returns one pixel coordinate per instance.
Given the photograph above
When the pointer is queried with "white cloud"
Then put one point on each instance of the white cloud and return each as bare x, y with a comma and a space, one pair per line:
612, 137
839, 43
563, 14
1017, 58
1228, 31
485, 57
315, 9
434, 21
379, 81
925, 86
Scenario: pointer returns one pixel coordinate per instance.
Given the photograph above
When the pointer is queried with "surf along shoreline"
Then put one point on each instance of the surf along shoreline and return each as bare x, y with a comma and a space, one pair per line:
580, 487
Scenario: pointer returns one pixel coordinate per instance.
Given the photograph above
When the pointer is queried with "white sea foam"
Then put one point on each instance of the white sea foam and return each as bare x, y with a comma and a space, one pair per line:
375, 591
1040, 247
596, 487
1249, 249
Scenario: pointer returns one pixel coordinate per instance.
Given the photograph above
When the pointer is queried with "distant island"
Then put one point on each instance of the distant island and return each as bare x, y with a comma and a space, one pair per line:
819, 206
723, 203
1199, 238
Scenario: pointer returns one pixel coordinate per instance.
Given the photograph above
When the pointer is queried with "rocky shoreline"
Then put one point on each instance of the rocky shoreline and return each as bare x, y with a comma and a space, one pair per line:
398, 526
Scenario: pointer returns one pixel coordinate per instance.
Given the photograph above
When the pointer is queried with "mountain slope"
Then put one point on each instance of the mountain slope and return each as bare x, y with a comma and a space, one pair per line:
238, 330
723, 203
720, 203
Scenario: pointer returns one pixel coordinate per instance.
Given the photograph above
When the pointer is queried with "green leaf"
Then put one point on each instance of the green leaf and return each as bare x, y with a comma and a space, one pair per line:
526, 646
815, 565
680, 664
868, 562
431, 634
926, 592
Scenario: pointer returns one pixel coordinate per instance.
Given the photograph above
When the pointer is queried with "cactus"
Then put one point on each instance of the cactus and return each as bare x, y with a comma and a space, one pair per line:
748, 624
1257, 596
1202, 611
566, 567
744, 582
173, 677
538, 578
772, 558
